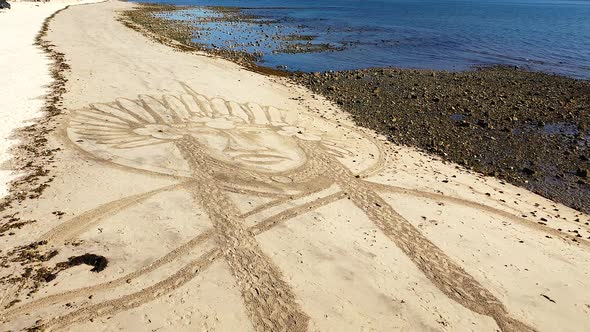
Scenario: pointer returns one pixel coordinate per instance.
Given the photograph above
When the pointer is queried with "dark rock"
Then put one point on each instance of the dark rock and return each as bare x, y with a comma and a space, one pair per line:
98, 262
49, 277
528, 171
482, 123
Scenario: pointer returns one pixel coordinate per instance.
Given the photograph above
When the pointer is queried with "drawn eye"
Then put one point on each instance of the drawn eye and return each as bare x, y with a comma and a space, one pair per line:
255, 131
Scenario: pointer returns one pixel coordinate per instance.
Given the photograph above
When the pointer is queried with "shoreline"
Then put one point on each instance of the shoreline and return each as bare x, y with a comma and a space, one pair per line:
26, 158
177, 35
148, 222
182, 31
568, 183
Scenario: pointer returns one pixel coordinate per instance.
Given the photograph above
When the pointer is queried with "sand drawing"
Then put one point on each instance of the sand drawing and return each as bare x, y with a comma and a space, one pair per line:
218, 147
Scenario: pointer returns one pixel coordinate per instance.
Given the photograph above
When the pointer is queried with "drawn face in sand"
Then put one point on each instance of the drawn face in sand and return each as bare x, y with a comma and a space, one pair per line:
195, 137
143, 134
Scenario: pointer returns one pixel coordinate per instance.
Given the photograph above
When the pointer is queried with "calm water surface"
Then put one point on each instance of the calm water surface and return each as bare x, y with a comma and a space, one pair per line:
546, 35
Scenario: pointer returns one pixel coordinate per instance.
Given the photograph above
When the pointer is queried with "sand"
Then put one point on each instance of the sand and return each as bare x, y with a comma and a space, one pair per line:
228, 200
24, 74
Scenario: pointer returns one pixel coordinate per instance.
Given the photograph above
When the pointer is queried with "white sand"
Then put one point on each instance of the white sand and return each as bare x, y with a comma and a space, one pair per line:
24, 73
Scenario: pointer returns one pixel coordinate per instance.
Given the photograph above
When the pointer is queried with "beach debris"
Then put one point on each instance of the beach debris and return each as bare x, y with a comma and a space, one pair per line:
97, 262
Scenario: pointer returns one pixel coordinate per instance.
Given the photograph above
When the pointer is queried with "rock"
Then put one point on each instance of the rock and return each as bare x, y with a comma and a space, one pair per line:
582, 172
463, 123
528, 171
4, 5
482, 123
98, 262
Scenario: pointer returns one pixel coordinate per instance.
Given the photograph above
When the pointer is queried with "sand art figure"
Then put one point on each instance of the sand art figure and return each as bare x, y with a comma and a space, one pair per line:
219, 147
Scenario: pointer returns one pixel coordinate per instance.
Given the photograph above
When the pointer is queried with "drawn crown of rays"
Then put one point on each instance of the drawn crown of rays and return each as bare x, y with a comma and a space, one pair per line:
148, 120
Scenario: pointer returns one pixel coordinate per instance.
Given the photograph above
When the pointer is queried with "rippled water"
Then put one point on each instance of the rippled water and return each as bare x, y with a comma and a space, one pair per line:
546, 35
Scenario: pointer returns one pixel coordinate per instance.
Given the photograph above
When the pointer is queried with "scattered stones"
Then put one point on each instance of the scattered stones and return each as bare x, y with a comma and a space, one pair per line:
528, 128
11, 222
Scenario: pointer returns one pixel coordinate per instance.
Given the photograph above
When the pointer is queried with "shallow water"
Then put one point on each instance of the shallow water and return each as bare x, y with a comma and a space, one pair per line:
546, 35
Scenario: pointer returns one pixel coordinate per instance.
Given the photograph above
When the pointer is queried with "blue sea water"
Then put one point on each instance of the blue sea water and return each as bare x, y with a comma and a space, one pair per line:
545, 35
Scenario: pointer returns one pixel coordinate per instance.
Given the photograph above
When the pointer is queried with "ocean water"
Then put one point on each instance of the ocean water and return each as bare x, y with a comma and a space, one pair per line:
545, 35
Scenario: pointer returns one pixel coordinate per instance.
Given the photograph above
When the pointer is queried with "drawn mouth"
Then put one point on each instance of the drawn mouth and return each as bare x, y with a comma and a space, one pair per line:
261, 158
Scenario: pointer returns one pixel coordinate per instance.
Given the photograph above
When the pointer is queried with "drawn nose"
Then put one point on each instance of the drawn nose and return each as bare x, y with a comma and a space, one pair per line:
242, 143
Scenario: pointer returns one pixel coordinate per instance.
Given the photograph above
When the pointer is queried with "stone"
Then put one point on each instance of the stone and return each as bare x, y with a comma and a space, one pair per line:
528, 171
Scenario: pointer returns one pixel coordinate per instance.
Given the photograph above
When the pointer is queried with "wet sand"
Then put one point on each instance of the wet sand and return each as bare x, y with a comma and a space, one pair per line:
189, 192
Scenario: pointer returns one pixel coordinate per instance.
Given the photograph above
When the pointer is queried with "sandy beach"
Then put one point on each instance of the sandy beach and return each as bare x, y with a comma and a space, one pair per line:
25, 73
181, 191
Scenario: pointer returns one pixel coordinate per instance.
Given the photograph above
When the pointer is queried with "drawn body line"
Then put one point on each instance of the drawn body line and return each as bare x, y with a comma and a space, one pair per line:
177, 253
259, 228
222, 147
449, 277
